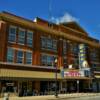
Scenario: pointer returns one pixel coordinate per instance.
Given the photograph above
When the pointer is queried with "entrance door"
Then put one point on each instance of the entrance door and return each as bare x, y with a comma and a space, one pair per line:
81, 86
24, 88
72, 86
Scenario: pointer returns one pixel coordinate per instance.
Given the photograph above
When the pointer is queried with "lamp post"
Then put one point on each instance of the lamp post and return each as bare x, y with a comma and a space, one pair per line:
56, 86
77, 86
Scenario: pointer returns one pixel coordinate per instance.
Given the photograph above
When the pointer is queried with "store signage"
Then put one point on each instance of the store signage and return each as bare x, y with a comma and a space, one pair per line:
82, 54
10, 84
72, 74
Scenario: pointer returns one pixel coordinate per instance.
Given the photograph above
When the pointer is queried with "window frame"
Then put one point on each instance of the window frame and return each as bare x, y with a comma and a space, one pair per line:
28, 38
21, 37
20, 57
43, 42
26, 58
46, 62
11, 56
54, 45
10, 34
49, 44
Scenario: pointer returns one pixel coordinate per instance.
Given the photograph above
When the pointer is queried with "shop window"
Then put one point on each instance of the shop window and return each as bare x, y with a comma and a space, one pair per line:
20, 56
10, 55
21, 36
28, 57
12, 34
30, 38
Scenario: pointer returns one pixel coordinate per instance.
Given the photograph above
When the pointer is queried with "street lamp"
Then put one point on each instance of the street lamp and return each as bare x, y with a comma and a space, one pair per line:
56, 86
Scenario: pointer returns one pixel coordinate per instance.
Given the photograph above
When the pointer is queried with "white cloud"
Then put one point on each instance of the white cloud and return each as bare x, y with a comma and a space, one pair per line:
65, 18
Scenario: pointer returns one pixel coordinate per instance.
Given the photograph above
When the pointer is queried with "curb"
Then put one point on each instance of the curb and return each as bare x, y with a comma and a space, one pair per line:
52, 97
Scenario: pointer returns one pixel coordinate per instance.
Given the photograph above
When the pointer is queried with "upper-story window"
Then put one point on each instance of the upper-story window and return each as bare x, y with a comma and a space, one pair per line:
50, 60
20, 56
65, 62
43, 42
29, 38
47, 60
10, 55
28, 57
64, 47
43, 59
74, 49
12, 34
48, 43
21, 36
54, 45
94, 55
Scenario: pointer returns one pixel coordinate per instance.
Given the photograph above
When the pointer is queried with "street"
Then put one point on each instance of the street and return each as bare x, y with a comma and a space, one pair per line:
79, 98
85, 98
74, 96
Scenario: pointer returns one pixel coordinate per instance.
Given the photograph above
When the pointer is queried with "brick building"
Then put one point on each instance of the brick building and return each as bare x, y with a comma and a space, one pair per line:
28, 50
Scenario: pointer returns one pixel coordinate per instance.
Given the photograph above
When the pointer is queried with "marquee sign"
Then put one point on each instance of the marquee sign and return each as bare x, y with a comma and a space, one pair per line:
81, 73
72, 74
82, 54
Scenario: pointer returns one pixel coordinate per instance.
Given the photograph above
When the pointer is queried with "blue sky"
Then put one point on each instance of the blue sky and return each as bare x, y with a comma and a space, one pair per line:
86, 12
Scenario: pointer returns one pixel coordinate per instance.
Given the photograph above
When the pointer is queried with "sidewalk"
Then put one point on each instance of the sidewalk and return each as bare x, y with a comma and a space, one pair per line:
52, 97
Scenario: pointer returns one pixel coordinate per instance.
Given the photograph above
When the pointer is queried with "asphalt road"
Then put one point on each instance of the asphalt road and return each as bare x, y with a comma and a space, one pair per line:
82, 98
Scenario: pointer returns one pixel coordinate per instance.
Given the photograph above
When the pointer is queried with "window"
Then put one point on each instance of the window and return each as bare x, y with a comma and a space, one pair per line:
50, 60
30, 38
43, 59
12, 34
10, 55
54, 45
28, 57
43, 42
75, 49
21, 36
47, 60
49, 43
20, 56
64, 47
65, 62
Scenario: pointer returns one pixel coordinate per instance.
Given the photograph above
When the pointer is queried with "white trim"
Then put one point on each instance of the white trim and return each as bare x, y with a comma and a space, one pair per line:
26, 65
24, 50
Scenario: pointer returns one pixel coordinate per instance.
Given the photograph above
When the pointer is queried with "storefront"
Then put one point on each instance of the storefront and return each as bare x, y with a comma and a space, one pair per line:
96, 84
27, 83
76, 81
30, 83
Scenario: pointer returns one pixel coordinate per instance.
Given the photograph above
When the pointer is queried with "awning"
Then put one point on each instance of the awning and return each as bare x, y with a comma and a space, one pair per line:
21, 74
27, 74
97, 76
